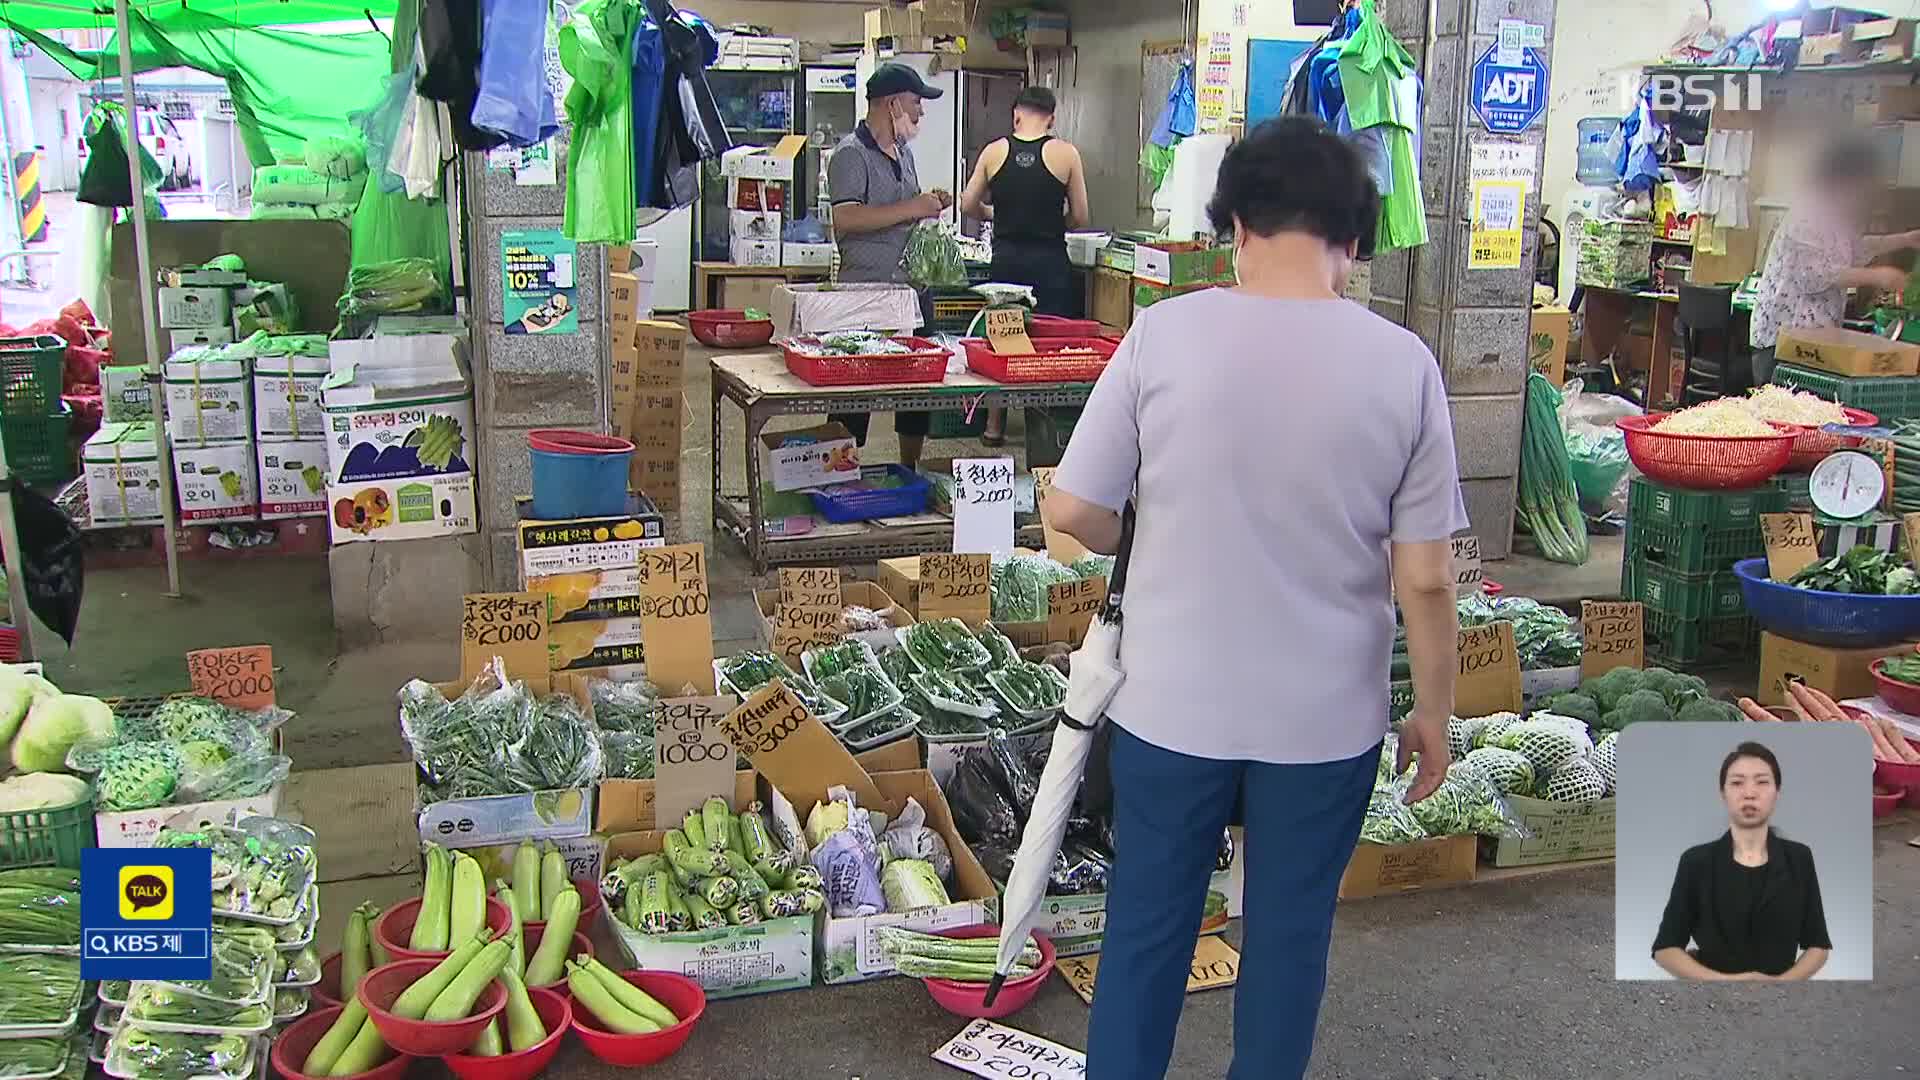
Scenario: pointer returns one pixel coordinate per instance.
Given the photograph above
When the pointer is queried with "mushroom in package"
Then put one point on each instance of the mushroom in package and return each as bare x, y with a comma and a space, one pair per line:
848, 859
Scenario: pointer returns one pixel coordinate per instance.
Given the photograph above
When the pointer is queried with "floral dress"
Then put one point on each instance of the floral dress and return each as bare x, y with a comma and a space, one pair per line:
1813, 246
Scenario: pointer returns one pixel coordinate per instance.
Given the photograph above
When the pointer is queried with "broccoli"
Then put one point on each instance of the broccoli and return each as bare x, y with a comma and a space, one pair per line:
1580, 706
1676, 688
1637, 707
1608, 689
1707, 710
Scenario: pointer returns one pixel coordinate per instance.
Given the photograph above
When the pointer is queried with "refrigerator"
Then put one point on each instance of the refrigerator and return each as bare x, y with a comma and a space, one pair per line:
829, 108
758, 108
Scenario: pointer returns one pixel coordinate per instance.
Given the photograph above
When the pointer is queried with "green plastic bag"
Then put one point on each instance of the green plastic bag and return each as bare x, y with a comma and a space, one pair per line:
933, 257
601, 202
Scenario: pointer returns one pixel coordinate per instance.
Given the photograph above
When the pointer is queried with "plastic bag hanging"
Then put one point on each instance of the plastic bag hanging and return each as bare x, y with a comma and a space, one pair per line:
50, 546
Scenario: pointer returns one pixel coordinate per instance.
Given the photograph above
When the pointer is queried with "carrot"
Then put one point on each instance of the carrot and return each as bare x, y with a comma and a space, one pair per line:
1754, 712
1801, 704
1827, 708
1902, 747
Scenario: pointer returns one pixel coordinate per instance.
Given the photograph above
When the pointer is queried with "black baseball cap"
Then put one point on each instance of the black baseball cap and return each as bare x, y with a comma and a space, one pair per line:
890, 79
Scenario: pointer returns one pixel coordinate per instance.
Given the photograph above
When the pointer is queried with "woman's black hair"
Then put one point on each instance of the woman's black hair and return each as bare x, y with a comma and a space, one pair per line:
1849, 157
1752, 750
1291, 174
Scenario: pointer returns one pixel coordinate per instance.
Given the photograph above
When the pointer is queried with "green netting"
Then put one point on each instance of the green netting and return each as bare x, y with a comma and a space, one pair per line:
287, 87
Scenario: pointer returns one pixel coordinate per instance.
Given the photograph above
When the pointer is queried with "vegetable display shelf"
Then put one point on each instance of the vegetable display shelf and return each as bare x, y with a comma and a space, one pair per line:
1887, 397
1691, 549
1683, 596
759, 385
1651, 503
1682, 643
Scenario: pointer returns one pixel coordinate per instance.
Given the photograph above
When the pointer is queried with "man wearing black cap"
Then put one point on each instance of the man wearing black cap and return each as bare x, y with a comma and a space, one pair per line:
876, 196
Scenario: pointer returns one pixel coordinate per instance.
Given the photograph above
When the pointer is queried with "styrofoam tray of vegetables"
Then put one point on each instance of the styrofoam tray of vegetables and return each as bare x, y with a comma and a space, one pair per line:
745, 672
36, 1059
1031, 691
98, 1051
943, 645
850, 672
40, 910
296, 970
277, 871
107, 1018
40, 995
158, 1007
290, 1004
297, 935
141, 1054
945, 691
113, 991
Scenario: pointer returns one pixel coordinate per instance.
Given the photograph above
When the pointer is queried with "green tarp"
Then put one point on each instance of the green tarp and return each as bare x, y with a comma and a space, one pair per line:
287, 86
98, 14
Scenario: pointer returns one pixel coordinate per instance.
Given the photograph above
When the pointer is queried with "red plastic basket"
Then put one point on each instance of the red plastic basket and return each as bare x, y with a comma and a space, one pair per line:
729, 328
1058, 326
1705, 462
1045, 364
926, 363
1812, 445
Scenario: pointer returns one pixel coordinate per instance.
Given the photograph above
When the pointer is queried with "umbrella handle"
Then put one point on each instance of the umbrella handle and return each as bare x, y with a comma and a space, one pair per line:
993, 989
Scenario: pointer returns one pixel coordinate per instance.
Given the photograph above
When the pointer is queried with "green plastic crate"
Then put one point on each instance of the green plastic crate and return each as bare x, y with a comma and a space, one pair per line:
1683, 596
1681, 643
31, 375
1693, 550
954, 424
37, 448
46, 837
1656, 504
1887, 397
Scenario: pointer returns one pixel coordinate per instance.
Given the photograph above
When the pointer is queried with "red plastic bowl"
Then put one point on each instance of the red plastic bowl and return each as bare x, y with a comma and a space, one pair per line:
682, 997
326, 992
968, 999
1884, 804
424, 1038
590, 905
1902, 696
556, 1015
729, 328
533, 932
1898, 774
395, 926
564, 441
291, 1048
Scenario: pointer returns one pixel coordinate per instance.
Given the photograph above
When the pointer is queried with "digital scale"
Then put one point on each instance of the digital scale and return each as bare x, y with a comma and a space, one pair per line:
1847, 484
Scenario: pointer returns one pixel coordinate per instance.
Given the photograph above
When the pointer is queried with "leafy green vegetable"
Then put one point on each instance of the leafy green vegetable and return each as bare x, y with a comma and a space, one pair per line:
1863, 571
1580, 706
1548, 506
1708, 710
932, 257
1388, 820
1902, 667
945, 645
1032, 689
33, 1057
39, 988
1019, 586
165, 1055
1637, 707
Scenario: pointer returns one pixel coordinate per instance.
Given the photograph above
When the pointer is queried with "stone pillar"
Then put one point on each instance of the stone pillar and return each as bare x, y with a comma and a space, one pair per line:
525, 381
1475, 321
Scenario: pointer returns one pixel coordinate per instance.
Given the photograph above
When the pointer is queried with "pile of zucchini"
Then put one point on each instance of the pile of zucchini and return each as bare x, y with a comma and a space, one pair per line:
718, 869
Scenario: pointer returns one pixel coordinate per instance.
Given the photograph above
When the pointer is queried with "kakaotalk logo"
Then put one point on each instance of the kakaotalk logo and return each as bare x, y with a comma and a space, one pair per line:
146, 892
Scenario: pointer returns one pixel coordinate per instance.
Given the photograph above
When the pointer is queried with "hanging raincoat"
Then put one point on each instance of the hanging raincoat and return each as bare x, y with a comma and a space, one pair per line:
513, 99
595, 48
1382, 89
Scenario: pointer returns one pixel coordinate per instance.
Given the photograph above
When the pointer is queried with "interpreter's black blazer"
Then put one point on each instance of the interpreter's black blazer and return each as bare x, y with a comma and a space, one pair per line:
1786, 916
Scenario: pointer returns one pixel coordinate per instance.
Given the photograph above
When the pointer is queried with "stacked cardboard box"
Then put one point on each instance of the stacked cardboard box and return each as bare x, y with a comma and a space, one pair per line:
589, 569
400, 436
757, 181
648, 380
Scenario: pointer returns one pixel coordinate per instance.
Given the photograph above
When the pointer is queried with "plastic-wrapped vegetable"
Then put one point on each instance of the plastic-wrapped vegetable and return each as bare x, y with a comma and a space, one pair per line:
1388, 820
165, 1055
166, 1008
911, 884
849, 861
1020, 586
750, 670
626, 705
39, 989
399, 287
932, 257
944, 645
910, 837
627, 755
39, 909
883, 723
1466, 802
33, 1057
497, 738
1033, 690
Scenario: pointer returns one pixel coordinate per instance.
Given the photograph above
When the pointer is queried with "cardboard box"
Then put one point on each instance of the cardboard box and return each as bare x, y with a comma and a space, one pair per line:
585, 545
1382, 869
202, 276
820, 309
286, 398
122, 466
1191, 262
1818, 49
626, 806
792, 254
405, 508
862, 593
590, 644
383, 392
586, 857
267, 306
1077, 925
1838, 673
1047, 29
1882, 40
889, 21
502, 819
207, 336
293, 478
940, 18
125, 397
216, 481
808, 458
900, 579
1547, 335
1562, 832
742, 252
651, 355
763, 162
1847, 352
1146, 293
1112, 297
1672, 222
753, 225
137, 828
657, 473
629, 300
639, 259
207, 398
1891, 102
194, 307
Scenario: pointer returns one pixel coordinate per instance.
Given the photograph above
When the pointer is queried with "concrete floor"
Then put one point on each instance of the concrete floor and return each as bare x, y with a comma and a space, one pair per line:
1497, 980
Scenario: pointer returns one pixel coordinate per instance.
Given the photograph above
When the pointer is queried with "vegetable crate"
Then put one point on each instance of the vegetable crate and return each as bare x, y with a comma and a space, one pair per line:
1678, 643
31, 375
1888, 397
37, 448
1691, 549
1684, 596
949, 310
1649, 503
46, 837
1052, 360
926, 362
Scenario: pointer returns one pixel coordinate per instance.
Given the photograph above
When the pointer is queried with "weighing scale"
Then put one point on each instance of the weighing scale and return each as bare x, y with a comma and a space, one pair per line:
1847, 484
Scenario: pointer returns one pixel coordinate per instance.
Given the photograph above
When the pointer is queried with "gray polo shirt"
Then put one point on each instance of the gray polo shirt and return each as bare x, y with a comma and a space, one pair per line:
859, 172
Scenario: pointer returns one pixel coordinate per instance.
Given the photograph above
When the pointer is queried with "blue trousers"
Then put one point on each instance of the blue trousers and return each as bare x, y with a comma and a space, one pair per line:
1302, 822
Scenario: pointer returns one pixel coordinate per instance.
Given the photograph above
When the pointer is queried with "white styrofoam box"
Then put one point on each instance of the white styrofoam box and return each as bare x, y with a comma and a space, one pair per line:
753, 252
383, 392
824, 309
215, 480
194, 308
753, 224
806, 254
402, 508
137, 828
122, 466
208, 399
125, 397
763, 162
644, 263
293, 478
286, 397
209, 335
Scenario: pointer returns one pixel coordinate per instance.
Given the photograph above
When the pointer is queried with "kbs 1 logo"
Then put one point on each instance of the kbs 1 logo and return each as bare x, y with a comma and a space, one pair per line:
146, 893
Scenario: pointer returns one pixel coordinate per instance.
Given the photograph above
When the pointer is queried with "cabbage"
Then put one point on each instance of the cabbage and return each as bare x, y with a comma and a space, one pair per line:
55, 725
911, 884
16, 697
40, 791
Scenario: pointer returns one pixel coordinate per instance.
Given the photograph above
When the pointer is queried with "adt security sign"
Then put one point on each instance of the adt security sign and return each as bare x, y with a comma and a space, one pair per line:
1510, 98
146, 913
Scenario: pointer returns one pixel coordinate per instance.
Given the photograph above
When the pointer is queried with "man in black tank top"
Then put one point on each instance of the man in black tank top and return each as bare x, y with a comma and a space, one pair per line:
1032, 187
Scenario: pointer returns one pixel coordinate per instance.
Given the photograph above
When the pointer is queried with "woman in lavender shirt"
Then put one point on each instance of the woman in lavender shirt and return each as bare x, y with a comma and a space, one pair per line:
1290, 456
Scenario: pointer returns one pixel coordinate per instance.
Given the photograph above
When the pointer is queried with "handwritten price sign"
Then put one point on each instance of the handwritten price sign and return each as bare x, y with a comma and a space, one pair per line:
810, 587
1488, 680
511, 626
956, 587
693, 757
239, 677
792, 749
1467, 574
1071, 606
983, 505
1792, 545
1613, 634
1007, 331
676, 624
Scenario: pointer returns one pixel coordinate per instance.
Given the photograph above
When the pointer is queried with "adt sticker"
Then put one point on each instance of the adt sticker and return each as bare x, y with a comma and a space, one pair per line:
1509, 98
146, 913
